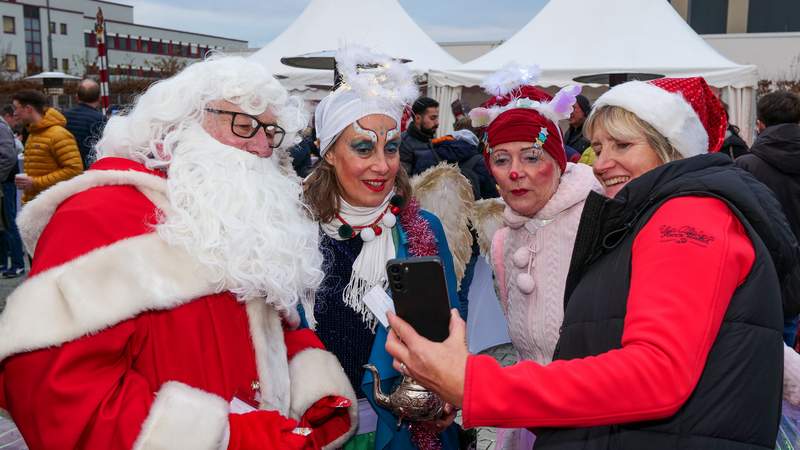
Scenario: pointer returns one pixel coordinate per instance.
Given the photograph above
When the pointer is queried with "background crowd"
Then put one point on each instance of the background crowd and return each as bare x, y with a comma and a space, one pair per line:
39, 147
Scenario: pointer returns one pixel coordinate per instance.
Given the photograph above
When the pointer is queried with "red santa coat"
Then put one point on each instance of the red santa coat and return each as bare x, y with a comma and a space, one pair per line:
118, 340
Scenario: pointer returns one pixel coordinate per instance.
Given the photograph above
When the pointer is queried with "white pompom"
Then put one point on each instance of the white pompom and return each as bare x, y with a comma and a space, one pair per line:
389, 220
367, 234
521, 257
525, 283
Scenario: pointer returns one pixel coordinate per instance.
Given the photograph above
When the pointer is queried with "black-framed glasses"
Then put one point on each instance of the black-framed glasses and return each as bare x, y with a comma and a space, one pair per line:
246, 126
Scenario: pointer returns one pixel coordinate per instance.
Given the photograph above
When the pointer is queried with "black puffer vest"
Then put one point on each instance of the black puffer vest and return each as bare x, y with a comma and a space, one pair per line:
737, 401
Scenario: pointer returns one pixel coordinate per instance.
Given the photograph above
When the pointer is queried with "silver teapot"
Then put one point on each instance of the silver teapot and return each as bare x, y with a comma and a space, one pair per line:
410, 400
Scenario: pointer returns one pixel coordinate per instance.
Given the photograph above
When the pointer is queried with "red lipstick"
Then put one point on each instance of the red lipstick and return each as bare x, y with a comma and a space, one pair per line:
375, 185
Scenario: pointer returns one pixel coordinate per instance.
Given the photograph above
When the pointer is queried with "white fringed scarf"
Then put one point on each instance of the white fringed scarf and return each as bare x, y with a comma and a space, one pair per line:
369, 268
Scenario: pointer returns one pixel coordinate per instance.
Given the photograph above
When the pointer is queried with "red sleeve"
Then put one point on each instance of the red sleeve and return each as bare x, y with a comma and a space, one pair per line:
83, 394
686, 264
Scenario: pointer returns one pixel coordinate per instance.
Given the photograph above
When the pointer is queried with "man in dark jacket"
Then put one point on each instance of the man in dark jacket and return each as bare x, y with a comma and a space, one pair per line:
774, 160
85, 122
12, 258
462, 148
574, 136
416, 150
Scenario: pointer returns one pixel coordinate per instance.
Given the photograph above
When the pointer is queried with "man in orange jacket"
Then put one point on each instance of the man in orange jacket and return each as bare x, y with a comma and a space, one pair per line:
51, 153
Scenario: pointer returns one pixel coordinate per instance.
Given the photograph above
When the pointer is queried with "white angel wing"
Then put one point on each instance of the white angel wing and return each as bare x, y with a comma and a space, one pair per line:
487, 218
446, 193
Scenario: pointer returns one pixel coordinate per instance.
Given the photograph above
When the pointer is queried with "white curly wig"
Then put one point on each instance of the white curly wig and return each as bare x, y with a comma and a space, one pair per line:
145, 132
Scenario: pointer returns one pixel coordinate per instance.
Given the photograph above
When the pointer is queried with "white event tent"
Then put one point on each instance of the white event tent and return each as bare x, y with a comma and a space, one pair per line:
325, 25
573, 38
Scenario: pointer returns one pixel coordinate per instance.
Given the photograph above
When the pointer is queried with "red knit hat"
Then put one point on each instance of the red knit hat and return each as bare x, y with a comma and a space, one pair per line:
684, 110
526, 125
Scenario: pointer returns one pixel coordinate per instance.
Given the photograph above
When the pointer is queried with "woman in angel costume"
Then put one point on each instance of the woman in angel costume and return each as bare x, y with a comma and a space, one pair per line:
363, 201
544, 196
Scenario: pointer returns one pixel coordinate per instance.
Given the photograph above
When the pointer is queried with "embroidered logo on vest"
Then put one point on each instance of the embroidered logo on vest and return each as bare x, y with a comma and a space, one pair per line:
685, 234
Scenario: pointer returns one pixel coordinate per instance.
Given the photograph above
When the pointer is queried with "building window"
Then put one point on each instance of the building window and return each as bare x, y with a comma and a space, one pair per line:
123, 43
10, 63
33, 38
63, 28
52, 27
773, 16
708, 16
54, 63
9, 25
65, 65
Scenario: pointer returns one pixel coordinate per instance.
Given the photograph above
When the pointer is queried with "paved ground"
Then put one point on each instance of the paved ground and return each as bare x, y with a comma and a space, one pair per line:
6, 286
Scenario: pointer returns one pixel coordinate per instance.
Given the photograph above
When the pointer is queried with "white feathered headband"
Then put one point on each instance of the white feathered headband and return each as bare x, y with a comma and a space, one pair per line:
373, 83
508, 81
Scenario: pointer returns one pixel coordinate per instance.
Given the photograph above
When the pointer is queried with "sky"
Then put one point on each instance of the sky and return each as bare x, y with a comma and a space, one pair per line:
258, 21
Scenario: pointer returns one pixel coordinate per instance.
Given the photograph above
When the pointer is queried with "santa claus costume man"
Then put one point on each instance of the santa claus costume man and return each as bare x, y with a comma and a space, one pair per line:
160, 312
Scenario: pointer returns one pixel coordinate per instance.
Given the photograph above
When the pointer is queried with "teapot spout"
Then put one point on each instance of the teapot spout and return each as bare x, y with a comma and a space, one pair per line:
380, 397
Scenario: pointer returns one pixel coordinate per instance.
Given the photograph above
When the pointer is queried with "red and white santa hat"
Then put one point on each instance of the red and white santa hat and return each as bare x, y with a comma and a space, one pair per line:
684, 110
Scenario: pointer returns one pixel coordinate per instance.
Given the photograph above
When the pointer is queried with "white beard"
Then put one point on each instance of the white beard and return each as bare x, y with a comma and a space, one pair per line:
239, 215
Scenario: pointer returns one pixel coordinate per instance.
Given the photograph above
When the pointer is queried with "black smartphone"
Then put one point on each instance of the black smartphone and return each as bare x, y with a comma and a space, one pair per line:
419, 293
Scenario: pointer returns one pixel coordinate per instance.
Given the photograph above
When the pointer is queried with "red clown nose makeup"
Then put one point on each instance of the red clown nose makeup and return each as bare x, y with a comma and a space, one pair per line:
514, 176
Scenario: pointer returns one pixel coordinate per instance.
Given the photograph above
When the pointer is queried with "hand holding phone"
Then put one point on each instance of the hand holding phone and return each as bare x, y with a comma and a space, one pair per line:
419, 294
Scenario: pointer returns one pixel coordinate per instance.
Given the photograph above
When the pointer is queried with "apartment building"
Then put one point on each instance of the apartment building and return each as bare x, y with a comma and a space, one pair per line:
42, 35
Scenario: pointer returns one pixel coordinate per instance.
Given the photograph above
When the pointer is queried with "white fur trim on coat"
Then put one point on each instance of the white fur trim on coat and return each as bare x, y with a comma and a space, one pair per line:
315, 374
270, 352
669, 113
36, 214
98, 290
184, 417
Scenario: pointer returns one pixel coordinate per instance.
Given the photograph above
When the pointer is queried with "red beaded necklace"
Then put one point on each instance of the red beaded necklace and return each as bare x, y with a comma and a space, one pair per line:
372, 230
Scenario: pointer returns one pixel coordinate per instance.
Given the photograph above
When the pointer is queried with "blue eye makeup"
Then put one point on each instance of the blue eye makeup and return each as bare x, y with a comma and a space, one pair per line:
362, 146
392, 146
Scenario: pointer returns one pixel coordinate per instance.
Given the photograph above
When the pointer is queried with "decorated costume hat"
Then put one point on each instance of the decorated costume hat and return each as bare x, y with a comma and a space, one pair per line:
523, 113
684, 110
373, 83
